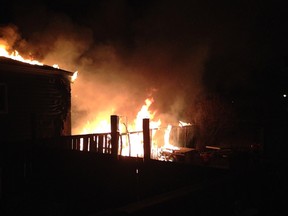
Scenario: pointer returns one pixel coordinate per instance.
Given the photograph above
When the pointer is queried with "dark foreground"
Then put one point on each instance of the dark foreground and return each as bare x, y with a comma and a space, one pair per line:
78, 183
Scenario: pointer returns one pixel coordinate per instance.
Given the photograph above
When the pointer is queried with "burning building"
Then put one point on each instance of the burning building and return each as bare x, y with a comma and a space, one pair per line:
36, 104
35, 101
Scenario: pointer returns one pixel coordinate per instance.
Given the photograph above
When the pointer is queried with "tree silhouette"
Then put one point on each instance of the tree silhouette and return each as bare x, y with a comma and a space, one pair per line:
214, 118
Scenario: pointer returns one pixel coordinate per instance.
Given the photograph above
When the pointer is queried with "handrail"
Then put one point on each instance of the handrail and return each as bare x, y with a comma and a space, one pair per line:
99, 143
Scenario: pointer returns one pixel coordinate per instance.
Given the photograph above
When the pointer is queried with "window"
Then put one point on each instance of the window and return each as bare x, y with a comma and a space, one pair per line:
3, 98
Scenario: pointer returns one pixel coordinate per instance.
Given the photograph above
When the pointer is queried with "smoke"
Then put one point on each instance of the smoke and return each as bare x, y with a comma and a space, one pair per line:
108, 84
11, 38
157, 54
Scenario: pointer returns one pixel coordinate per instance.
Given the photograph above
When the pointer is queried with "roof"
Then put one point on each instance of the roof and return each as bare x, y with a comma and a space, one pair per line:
11, 64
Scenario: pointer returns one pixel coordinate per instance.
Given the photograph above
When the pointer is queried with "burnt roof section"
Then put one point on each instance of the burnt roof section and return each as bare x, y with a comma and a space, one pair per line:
8, 63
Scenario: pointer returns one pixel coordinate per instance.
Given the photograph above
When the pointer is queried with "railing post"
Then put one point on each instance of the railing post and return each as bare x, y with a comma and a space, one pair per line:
114, 120
146, 139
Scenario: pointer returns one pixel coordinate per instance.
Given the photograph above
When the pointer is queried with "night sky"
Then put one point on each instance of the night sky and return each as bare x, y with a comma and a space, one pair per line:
171, 50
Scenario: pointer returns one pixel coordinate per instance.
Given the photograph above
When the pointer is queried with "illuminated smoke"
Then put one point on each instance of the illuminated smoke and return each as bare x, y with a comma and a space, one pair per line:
116, 76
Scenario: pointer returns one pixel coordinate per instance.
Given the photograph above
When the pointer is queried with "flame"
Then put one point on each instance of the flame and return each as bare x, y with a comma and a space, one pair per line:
74, 76
146, 113
56, 66
16, 56
136, 139
101, 126
182, 124
131, 133
167, 144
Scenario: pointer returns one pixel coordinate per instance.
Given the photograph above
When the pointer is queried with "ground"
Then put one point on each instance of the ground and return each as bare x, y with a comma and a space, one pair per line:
79, 183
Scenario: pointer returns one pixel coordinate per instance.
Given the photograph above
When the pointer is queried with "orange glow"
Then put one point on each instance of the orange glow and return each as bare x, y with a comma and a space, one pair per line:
167, 144
136, 139
131, 134
16, 56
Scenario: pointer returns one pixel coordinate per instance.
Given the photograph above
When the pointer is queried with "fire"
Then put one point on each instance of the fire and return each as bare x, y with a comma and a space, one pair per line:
136, 139
131, 134
146, 113
16, 56
74, 77
56, 66
167, 144
96, 126
182, 124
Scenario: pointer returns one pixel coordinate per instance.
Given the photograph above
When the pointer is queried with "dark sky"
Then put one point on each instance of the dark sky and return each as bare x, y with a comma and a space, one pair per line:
174, 48
242, 31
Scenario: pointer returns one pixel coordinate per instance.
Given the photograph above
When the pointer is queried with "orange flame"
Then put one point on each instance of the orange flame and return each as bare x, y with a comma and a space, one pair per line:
167, 143
16, 56
131, 134
136, 139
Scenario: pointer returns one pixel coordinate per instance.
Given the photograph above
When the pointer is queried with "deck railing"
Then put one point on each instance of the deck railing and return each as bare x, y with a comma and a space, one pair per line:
99, 143
104, 143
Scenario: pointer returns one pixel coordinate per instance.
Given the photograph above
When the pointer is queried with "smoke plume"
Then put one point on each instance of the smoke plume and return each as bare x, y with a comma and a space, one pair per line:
122, 61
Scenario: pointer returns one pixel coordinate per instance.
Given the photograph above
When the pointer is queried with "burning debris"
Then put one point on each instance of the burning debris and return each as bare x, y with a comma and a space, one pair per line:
176, 154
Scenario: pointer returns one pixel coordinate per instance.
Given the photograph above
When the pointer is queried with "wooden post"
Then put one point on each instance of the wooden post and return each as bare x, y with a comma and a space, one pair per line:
146, 139
100, 143
85, 143
114, 120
